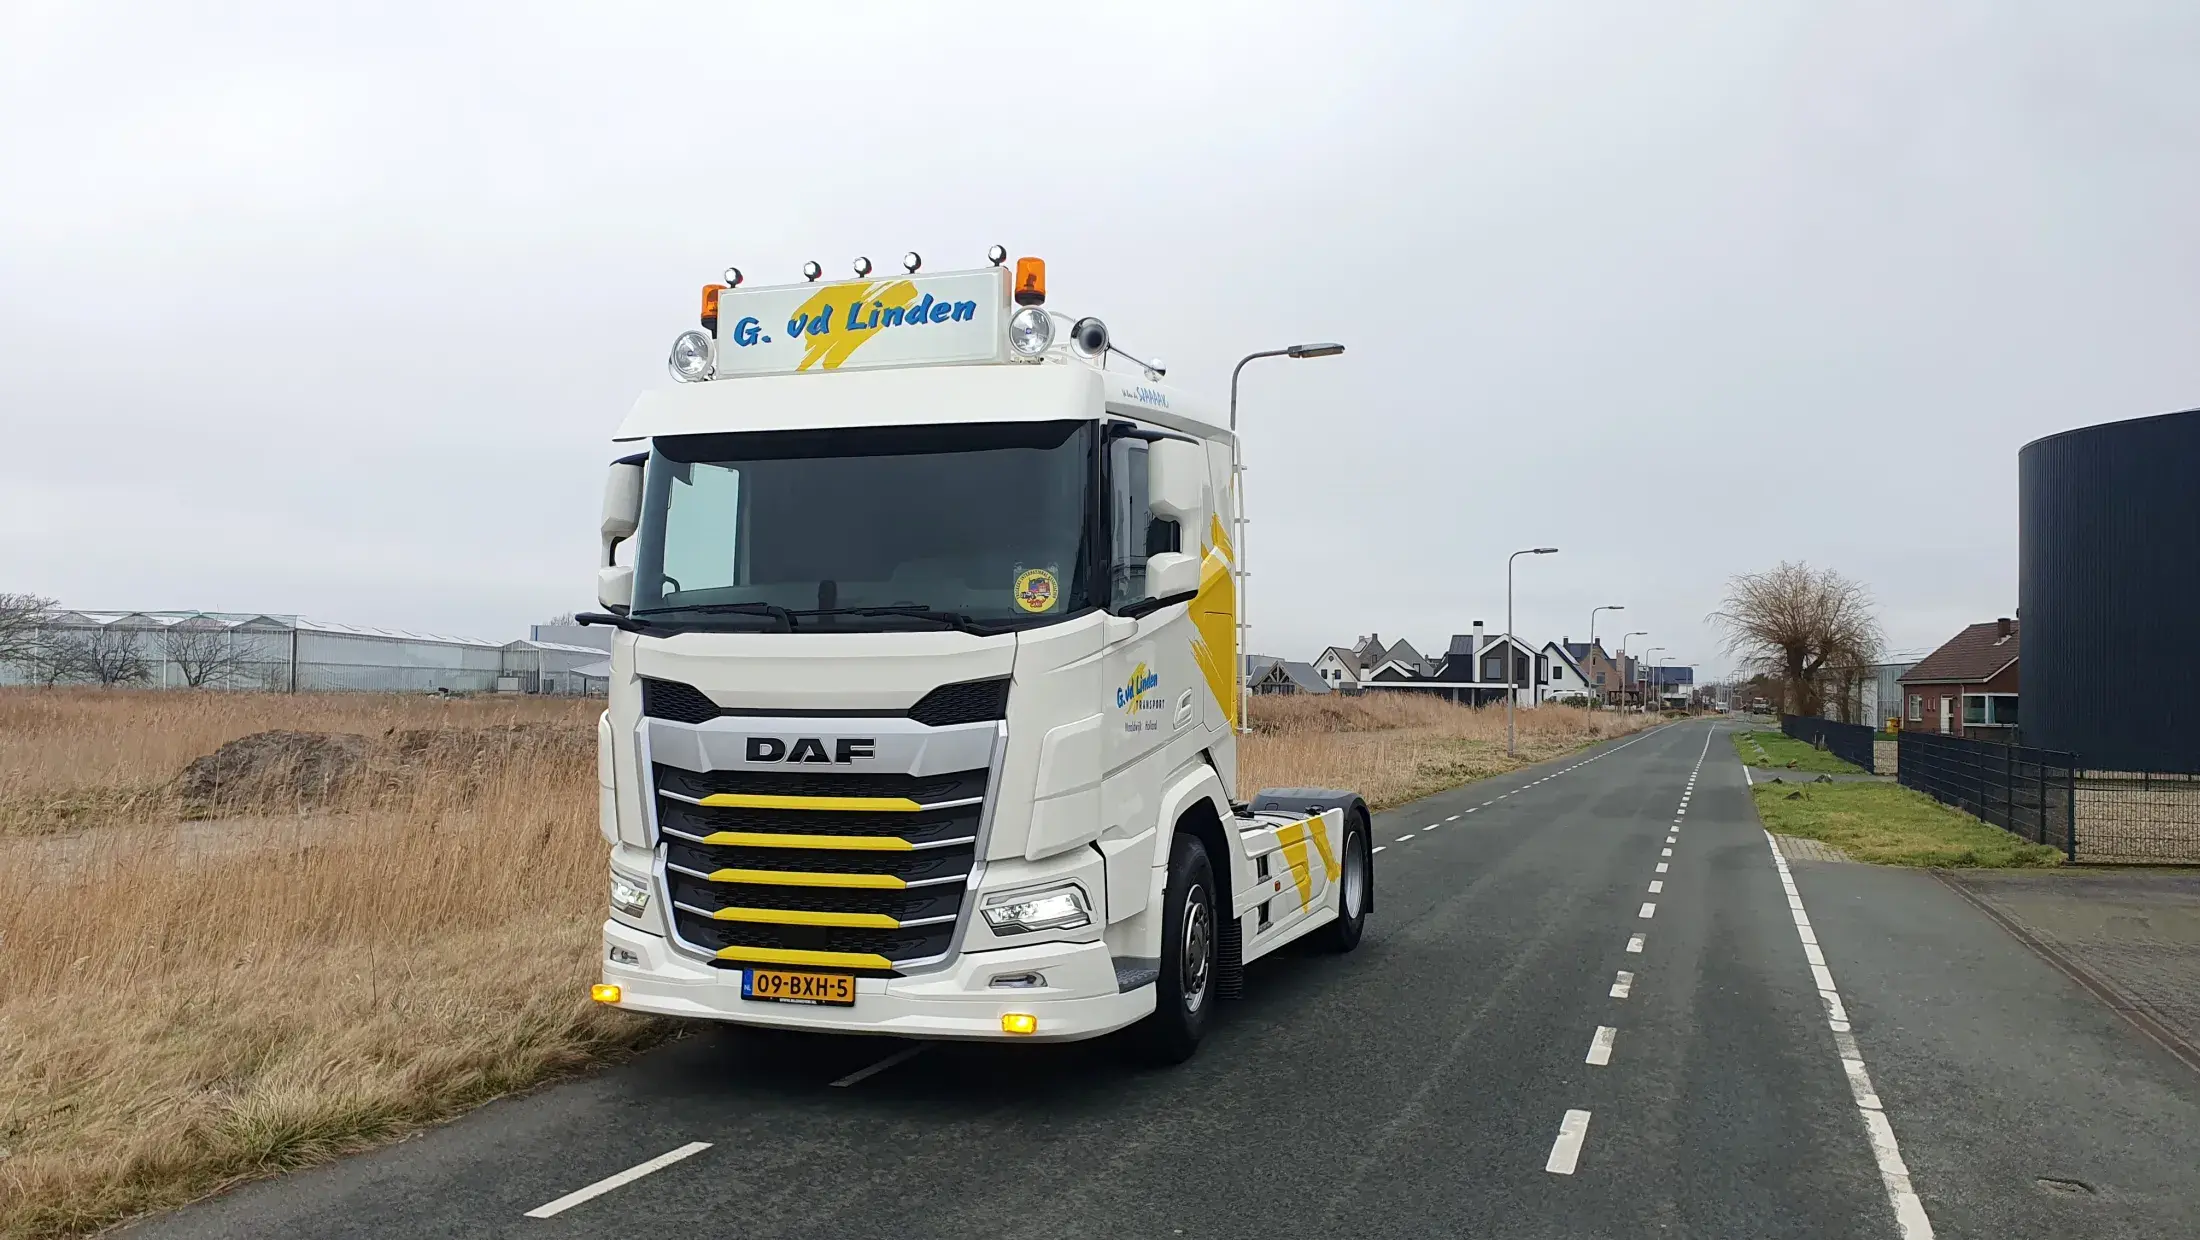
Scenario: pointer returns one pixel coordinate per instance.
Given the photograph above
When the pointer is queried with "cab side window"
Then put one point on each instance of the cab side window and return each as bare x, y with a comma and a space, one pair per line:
1130, 519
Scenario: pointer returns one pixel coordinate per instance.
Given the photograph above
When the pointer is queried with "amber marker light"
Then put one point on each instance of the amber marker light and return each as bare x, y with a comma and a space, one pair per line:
1031, 281
604, 992
1019, 1023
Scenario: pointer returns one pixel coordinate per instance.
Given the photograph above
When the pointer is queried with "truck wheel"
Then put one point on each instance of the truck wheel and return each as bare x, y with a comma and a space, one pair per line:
1184, 995
1355, 890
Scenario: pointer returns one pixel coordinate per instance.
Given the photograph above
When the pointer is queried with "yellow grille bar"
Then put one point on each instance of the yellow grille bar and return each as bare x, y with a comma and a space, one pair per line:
845, 843
800, 878
783, 955
799, 917
745, 800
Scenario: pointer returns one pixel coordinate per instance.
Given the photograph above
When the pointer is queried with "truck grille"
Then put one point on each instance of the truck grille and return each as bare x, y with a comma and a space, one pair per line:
840, 872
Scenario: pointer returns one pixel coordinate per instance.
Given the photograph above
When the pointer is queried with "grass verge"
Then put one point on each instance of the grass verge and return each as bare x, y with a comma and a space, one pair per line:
1779, 751
1887, 824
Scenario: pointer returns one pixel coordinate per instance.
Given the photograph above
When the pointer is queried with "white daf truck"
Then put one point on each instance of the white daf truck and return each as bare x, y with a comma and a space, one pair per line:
924, 701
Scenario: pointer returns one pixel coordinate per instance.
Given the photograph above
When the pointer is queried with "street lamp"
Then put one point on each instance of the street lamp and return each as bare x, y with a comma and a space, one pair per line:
1623, 655
1237, 500
1593, 626
1650, 677
1511, 682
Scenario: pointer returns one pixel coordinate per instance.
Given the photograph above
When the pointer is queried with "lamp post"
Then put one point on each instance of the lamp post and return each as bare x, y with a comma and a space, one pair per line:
1593, 625
1623, 656
1512, 683
1237, 502
1650, 677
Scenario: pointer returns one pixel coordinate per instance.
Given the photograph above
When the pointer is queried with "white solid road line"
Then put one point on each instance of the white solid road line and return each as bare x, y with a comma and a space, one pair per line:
1622, 984
609, 1182
1566, 1151
1600, 1046
1894, 1174
900, 1056
1634, 944
1648, 911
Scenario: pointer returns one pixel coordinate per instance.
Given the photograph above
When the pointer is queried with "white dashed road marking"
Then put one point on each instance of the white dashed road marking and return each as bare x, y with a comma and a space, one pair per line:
1665, 852
609, 1182
1566, 1151
1661, 867
1656, 885
1378, 848
1624, 983
1894, 1174
1634, 944
1648, 911
1600, 1046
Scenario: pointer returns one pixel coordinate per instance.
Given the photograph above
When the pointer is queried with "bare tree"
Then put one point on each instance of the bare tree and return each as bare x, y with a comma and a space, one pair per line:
23, 622
205, 651
104, 654
1795, 623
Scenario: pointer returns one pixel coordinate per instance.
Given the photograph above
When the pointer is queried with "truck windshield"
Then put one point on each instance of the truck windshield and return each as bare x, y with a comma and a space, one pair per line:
987, 522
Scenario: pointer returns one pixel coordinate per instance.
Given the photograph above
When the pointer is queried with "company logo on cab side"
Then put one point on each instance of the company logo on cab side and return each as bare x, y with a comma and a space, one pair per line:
838, 319
1133, 695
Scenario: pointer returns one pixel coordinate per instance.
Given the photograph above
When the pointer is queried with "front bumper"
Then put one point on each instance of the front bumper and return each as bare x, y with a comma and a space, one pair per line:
1080, 999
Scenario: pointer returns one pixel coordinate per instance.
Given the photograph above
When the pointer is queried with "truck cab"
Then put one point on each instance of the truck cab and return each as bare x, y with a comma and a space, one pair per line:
924, 704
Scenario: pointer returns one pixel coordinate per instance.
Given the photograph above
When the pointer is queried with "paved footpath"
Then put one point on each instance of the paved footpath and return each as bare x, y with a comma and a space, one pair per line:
1593, 1001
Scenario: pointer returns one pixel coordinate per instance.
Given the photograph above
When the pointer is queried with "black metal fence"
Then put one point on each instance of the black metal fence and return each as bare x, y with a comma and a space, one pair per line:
1850, 742
2031, 793
2137, 817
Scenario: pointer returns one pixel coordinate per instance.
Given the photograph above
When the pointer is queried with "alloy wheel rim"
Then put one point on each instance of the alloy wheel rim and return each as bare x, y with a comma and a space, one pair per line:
1198, 948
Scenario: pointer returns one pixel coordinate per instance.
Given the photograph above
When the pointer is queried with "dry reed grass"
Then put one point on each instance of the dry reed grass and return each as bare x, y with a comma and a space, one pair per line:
180, 1017
1394, 749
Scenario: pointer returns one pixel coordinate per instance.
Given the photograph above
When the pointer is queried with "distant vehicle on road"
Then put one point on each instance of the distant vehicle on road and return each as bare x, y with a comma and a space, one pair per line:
925, 700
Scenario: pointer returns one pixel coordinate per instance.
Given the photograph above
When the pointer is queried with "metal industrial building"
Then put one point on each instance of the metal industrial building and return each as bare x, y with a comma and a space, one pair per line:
2108, 538
278, 653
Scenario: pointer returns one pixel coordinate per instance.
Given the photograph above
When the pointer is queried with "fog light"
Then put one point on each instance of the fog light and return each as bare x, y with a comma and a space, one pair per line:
690, 360
604, 993
1030, 332
1019, 1023
620, 955
629, 895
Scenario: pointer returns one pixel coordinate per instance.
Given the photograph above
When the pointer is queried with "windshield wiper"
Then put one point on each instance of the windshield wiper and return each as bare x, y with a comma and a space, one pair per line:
952, 619
771, 611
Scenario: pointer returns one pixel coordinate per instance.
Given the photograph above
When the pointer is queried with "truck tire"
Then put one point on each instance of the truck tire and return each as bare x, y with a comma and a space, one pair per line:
1184, 996
1355, 889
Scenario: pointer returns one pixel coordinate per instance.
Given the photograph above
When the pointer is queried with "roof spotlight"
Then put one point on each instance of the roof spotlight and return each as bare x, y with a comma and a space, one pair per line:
911, 261
811, 271
997, 255
733, 277
863, 267
1089, 336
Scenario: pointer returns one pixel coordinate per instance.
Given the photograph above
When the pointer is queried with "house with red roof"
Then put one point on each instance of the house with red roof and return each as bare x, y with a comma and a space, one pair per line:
1967, 687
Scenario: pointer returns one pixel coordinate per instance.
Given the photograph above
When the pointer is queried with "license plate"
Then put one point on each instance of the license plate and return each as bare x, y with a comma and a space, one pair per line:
774, 986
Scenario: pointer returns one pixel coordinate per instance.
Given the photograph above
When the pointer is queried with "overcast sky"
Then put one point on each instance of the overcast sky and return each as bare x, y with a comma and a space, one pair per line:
302, 312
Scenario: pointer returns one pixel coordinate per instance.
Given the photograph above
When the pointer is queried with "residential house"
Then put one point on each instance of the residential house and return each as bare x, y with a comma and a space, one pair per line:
1345, 667
1967, 687
1671, 686
1269, 674
1598, 666
1562, 675
1472, 671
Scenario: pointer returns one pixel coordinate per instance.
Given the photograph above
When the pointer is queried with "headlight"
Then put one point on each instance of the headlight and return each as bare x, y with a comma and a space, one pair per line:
629, 895
690, 360
1030, 332
1060, 907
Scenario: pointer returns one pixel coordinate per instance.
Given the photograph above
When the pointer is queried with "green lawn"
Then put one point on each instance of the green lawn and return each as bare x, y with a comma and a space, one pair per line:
1888, 824
1779, 751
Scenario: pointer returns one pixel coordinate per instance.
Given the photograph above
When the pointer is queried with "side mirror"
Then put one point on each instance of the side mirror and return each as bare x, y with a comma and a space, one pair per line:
1176, 489
622, 505
615, 587
1172, 574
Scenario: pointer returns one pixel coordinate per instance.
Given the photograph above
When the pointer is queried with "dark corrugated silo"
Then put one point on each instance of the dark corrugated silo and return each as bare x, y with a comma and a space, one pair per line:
2108, 562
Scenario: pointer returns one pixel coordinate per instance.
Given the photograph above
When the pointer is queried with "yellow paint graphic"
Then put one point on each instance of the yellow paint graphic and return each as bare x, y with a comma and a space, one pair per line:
787, 955
1214, 620
1294, 838
843, 843
827, 350
804, 917
748, 800
804, 878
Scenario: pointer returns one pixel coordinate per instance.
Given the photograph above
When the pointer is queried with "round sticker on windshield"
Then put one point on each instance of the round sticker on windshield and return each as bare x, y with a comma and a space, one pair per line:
1035, 590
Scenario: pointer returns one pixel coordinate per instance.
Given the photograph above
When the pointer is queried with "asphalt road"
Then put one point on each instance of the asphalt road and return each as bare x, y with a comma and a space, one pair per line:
1531, 1041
